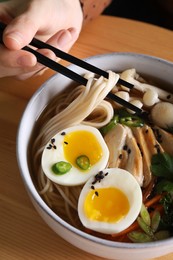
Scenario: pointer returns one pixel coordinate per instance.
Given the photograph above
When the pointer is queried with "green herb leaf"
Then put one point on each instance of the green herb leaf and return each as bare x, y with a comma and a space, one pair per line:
162, 165
167, 202
166, 221
164, 185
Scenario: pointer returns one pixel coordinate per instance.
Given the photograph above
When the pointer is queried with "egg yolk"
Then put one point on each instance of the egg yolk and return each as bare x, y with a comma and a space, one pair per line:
79, 143
106, 205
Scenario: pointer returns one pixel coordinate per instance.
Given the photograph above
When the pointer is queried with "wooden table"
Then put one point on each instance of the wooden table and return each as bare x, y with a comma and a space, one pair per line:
23, 234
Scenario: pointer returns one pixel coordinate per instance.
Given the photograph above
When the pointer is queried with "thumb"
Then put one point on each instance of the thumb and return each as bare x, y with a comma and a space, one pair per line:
19, 32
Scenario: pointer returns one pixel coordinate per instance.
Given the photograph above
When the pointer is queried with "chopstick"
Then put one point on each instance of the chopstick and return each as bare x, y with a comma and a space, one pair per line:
81, 63
69, 73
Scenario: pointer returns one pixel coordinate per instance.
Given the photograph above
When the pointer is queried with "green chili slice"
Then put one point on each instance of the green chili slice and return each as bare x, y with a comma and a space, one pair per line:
105, 129
61, 167
83, 162
132, 121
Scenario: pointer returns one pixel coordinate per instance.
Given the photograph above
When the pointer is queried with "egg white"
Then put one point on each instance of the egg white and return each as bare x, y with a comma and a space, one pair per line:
122, 180
75, 176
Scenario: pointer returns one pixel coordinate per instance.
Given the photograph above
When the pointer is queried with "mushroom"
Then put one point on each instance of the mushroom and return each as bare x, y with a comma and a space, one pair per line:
135, 102
127, 75
130, 76
161, 114
150, 97
124, 95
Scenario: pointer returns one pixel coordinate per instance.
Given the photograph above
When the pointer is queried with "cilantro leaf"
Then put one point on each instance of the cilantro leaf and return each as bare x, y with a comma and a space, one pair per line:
164, 185
162, 165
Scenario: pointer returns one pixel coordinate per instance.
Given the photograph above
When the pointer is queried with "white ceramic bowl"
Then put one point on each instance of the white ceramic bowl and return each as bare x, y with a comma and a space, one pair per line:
161, 70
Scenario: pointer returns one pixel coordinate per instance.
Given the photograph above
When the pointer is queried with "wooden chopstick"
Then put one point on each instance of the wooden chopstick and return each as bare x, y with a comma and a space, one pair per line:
69, 73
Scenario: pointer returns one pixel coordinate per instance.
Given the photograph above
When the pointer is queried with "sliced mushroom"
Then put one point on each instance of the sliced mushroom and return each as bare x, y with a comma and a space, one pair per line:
165, 139
134, 162
115, 140
149, 146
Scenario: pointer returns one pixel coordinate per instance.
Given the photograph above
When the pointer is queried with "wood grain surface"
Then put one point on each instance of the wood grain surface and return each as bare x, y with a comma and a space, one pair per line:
23, 234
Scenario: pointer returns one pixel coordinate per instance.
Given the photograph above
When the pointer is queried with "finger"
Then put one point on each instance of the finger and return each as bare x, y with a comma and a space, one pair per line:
13, 61
38, 69
20, 31
64, 39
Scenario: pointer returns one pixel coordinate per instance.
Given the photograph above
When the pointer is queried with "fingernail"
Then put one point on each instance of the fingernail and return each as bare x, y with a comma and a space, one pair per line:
64, 38
17, 39
26, 61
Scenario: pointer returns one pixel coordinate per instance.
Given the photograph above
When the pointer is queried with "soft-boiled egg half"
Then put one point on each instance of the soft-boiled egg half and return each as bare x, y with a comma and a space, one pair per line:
75, 154
110, 201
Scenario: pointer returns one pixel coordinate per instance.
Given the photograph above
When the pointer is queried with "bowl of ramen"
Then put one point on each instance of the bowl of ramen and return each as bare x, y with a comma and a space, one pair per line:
100, 175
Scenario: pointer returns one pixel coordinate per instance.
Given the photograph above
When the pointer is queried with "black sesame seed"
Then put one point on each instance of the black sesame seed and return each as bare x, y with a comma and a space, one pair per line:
157, 148
54, 147
63, 133
106, 173
92, 187
125, 147
120, 156
96, 193
66, 142
53, 140
49, 147
129, 151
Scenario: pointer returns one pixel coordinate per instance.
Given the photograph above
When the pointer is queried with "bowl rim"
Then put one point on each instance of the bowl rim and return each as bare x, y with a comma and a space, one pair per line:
31, 189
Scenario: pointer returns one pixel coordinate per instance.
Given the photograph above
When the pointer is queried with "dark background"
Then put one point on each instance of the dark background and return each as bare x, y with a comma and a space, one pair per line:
156, 12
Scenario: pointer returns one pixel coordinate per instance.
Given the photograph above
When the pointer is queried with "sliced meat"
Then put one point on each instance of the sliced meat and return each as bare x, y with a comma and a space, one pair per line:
134, 162
149, 146
115, 140
165, 139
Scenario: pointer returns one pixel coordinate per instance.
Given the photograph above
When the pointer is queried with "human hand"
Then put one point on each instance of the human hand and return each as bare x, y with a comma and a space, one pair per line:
57, 22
